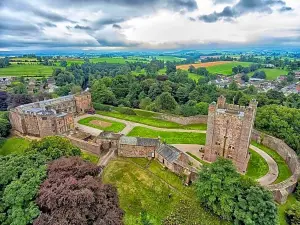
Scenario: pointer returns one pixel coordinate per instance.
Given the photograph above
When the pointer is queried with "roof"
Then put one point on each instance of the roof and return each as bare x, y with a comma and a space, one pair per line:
109, 135
168, 152
139, 141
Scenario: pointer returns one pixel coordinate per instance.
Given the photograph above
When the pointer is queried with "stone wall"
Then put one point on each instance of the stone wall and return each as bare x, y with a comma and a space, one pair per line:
87, 146
283, 189
184, 120
135, 151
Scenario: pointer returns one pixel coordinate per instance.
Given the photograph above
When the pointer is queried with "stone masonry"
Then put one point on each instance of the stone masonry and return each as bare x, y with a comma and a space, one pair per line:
229, 132
49, 117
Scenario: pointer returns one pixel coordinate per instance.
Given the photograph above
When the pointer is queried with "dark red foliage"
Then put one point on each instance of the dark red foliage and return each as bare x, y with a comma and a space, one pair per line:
72, 195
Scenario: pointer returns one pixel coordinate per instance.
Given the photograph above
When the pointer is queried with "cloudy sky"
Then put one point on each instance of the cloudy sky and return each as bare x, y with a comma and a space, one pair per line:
147, 24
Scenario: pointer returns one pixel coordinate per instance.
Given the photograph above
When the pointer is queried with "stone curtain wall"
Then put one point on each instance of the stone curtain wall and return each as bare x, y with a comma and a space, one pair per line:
283, 189
87, 146
184, 120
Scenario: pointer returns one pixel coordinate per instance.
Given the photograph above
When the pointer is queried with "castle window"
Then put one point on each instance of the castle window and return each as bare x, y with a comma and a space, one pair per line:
44, 118
218, 143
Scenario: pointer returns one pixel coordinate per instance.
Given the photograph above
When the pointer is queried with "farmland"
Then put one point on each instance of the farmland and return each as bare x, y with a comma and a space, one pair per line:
27, 70
272, 74
220, 67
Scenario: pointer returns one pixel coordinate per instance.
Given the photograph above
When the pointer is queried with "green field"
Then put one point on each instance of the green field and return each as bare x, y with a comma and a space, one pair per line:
169, 58
169, 137
257, 166
226, 69
272, 74
148, 118
27, 70
114, 127
119, 60
147, 189
284, 171
13, 145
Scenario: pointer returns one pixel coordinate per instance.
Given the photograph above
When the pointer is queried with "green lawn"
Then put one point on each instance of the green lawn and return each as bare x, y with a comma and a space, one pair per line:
284, 171
148, 118
13, 145
148, 189
93, 158
226, 69
169, 58
114, 127
197, 158
272, 74
27, 70
257, 166
281, 209
169, 137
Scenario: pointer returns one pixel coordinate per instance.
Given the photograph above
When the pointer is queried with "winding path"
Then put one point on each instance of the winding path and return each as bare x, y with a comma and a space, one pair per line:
129, 126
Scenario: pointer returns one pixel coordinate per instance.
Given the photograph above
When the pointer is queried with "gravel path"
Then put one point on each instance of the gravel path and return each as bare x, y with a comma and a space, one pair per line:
129, 126
272, 175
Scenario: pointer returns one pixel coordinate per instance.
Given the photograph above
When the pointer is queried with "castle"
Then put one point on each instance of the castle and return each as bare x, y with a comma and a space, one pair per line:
229, 132
49, 117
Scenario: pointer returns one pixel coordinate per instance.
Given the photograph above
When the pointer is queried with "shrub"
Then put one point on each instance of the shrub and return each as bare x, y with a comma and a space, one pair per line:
297, 192
125, 110
102, 107
293, 214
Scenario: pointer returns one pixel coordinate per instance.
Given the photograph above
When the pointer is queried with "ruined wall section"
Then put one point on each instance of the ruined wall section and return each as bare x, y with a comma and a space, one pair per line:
83, 102
16, 120
85, 145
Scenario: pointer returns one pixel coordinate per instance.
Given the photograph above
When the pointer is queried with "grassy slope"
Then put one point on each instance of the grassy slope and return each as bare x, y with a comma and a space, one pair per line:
226, 69
197, 158
115, 126
257, 166
139, 189
149, 119
26, 70
169, 137
13, 145
281, 209
284, 171
272, 74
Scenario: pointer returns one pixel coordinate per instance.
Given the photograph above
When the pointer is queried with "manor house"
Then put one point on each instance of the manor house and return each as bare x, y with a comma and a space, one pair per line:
229, 130
49, 117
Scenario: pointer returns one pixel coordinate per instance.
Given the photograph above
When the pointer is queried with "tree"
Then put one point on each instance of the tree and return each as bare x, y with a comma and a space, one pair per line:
20, 88
63, 63
145, 102
233, 86
297, 192
218, 186
171, 67
101, 94
245, 77
293, 214
54, 147
76, 89
4, 127
73, 195
260, 74
165, 101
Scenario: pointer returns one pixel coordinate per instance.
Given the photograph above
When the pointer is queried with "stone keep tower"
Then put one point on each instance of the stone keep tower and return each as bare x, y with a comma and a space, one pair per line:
229, 132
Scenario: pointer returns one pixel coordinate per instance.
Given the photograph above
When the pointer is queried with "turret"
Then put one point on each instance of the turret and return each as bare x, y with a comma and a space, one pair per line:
221, 102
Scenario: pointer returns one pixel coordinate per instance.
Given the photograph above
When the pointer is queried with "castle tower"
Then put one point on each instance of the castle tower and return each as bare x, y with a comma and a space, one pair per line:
229, 131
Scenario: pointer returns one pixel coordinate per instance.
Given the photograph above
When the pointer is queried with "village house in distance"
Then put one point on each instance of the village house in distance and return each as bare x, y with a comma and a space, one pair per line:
229, 130
49, 117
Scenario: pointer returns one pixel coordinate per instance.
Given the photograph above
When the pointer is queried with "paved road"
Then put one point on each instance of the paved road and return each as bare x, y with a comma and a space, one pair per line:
272, 175
269, 178
129, 126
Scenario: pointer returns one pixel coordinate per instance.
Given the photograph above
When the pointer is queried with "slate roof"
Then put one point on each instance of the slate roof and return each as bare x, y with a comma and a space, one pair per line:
147, 142
168, 152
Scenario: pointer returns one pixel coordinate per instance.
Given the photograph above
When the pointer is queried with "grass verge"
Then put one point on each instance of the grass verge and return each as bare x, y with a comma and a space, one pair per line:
169, 137
114, 127
257, 166
281, 209
283, 169
13, 145
197, 158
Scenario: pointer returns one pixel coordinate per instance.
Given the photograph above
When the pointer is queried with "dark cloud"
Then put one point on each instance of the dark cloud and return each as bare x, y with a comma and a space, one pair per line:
116, 43
285, 9
117, 26
82, 27
108, 21
189, 5
242, 7
47, 24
